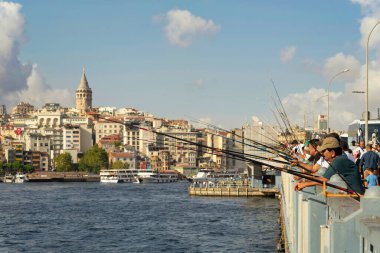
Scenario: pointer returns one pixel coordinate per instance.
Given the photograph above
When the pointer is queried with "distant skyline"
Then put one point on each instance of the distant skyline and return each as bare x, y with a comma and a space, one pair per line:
212, 60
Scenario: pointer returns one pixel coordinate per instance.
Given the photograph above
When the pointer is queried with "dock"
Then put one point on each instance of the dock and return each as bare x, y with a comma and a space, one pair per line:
228, 191
49, 176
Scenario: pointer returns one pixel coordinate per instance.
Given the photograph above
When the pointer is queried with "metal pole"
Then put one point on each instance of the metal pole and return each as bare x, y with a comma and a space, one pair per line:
328, 107
366, 97
328, 97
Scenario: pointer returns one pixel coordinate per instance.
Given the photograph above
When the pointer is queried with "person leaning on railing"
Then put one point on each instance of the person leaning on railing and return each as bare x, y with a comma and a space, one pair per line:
312, 165
339, 164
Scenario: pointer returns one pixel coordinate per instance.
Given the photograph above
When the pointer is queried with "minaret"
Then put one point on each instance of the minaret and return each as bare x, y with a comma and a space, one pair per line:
83, 96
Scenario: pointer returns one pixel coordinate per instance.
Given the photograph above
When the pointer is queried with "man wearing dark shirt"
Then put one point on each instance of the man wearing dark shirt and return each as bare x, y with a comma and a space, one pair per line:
369, 160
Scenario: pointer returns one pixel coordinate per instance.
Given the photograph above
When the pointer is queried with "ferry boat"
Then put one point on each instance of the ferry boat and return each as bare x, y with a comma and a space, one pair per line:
149, 176
8, 178
20, 178
119, 176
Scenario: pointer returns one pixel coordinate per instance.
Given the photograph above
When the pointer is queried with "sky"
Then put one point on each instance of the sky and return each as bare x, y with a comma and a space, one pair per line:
211, 60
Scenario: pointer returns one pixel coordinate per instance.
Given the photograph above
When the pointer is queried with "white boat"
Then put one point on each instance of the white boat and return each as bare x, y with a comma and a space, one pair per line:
203, 174
8, 178
118, 176
20, 178
149, 176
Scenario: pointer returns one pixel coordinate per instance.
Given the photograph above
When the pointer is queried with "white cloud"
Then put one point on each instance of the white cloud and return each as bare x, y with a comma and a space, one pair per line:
287, 54
345, 106
371, 15
20, 81
39, 93
340, 62
183, 28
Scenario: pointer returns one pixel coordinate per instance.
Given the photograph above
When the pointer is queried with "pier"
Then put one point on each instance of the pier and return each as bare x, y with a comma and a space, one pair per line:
232, 191
49, 176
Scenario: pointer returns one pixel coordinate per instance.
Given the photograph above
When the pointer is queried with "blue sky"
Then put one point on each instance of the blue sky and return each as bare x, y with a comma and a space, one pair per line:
221, 75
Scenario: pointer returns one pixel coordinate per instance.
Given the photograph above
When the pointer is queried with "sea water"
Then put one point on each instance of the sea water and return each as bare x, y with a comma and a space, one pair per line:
95, 217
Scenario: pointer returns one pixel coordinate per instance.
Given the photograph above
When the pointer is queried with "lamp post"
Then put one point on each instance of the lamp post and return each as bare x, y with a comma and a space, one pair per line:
366, 97
328, 97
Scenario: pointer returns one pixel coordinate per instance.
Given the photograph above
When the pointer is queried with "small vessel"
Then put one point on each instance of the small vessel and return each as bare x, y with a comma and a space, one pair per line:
203, 174
20, 178
118, 176
9, 178
165, 176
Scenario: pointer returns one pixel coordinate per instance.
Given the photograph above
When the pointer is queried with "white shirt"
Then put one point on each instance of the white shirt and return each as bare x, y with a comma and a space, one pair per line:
362, 151
323, 163
298, 148
349, 156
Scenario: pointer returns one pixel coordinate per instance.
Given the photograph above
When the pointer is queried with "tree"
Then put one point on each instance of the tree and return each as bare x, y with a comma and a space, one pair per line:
16, 166
118, 165
117, 144
94, 160
28, 168
63, 162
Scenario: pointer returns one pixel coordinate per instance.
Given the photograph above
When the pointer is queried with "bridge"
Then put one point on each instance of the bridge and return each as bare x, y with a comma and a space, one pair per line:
324, 220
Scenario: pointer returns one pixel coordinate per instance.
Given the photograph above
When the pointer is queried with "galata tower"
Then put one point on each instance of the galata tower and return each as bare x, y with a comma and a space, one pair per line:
83, 96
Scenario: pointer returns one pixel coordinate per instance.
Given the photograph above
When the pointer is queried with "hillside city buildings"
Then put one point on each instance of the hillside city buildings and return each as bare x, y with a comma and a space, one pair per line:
36, 136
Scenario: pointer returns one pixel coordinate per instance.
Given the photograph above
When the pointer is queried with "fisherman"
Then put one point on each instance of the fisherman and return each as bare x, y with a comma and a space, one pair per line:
295, 148
339, 164
312, 165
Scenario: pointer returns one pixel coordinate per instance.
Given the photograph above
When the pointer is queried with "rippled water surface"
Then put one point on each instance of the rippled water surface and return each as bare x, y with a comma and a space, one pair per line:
93, 217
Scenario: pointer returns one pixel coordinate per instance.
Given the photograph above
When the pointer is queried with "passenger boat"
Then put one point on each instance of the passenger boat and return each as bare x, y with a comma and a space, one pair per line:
118, 176
8, 178
20, 178
150, 176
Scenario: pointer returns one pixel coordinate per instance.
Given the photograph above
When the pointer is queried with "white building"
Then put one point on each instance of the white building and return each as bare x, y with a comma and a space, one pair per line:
104, 128
181, 151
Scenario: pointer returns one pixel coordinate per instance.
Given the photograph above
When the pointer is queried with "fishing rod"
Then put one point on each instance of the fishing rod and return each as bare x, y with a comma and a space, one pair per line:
282, 106
276, 151
240, 156
267, 146
241, 142
302, 175
288, 128
282, 130
130, 124
280, 113
230, 155
311, 178
224, 130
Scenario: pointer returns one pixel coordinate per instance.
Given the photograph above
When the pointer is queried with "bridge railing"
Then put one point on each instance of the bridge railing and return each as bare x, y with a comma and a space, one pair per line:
314, 222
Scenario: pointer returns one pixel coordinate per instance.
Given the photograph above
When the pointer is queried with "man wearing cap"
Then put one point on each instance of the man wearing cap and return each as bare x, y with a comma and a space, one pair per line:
339, 164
